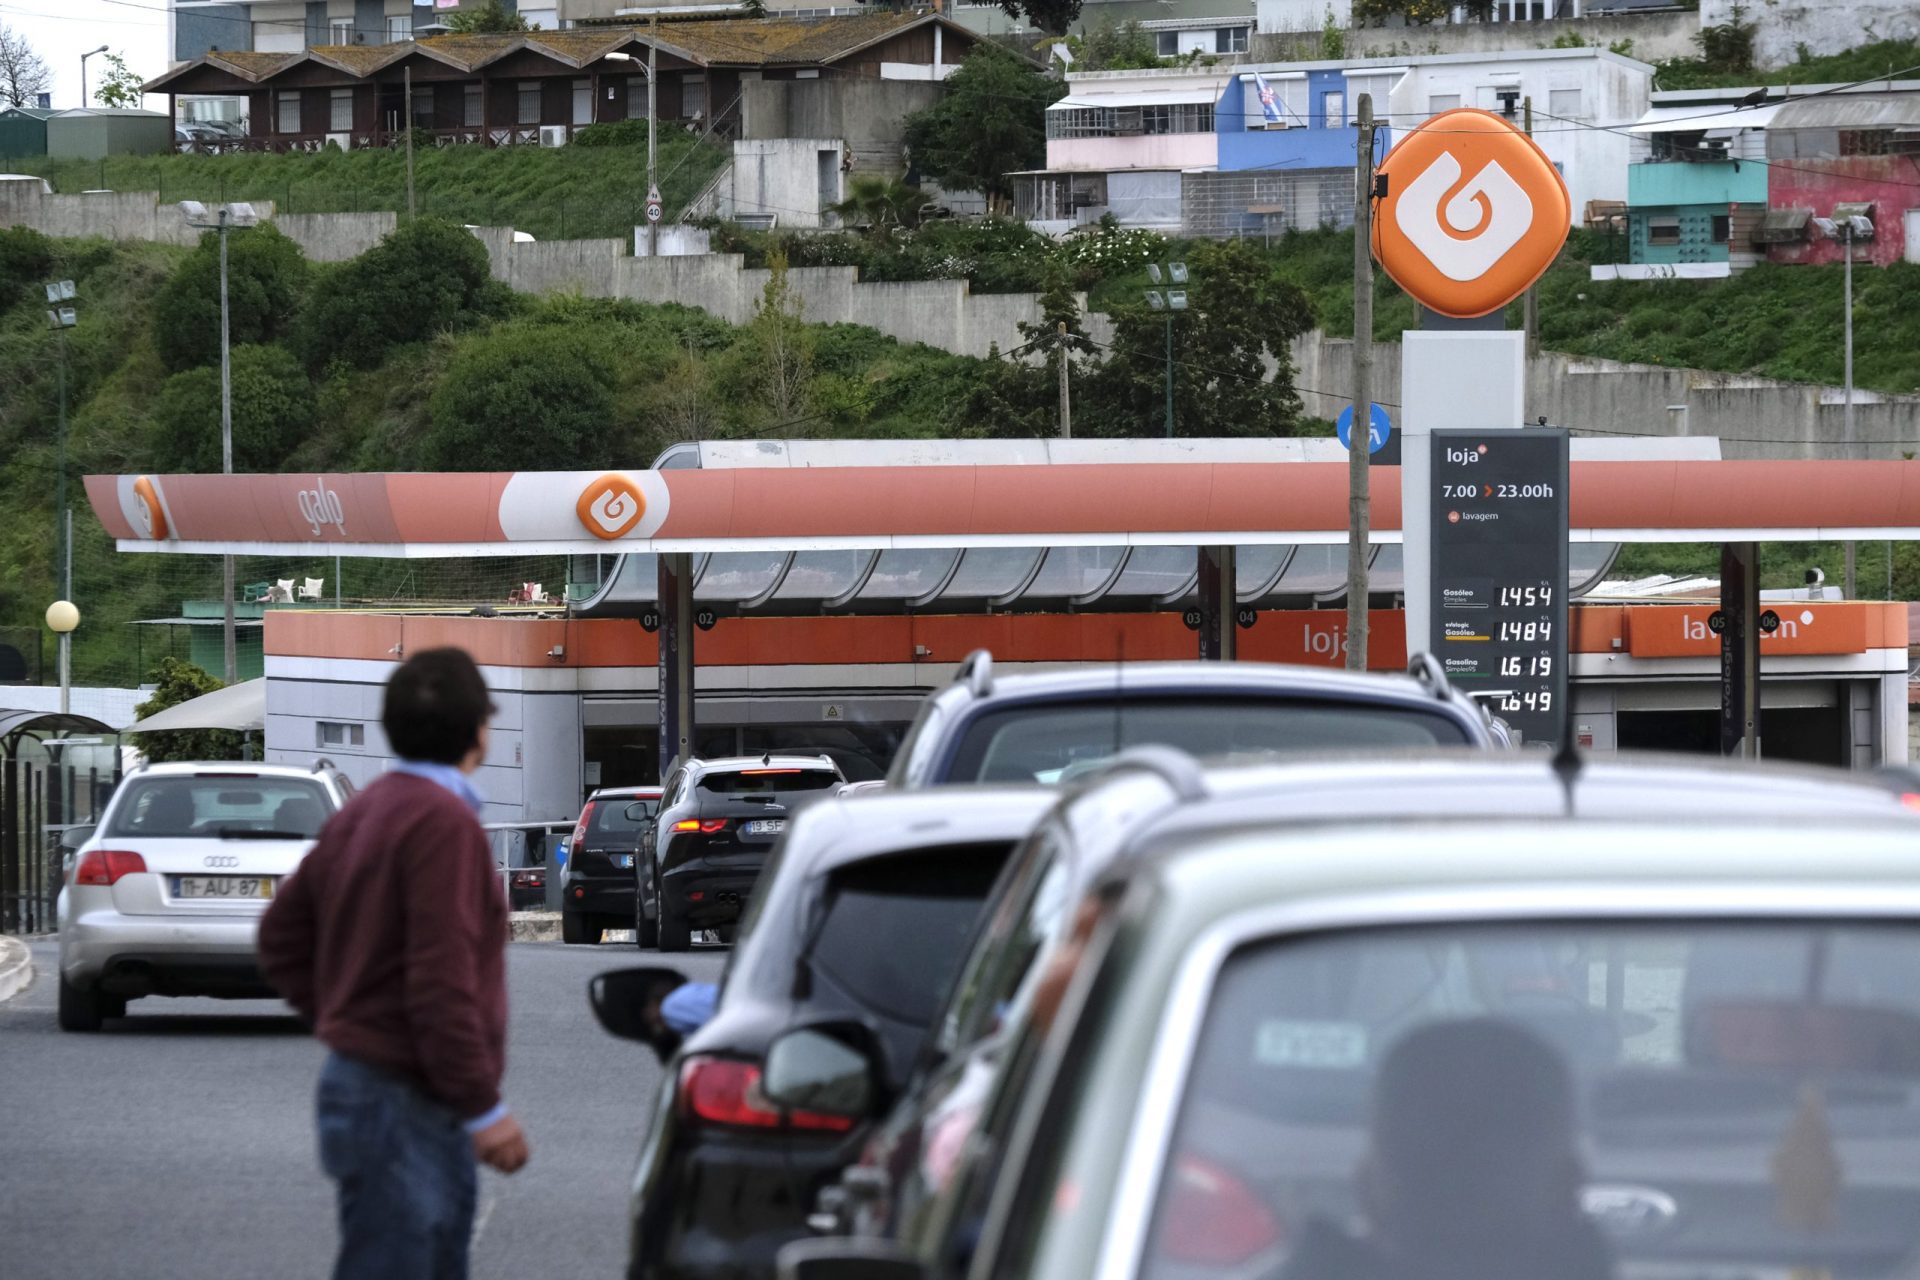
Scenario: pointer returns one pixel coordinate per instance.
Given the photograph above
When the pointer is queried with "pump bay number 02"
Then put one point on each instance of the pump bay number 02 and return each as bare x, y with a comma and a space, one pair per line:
1500, 572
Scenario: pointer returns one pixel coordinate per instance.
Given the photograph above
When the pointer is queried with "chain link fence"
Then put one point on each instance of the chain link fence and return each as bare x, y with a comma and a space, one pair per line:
1264, 206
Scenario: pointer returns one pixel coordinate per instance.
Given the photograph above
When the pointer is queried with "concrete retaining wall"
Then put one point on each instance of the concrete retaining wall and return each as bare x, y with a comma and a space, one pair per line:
1655, 36
139, 215
1752, 417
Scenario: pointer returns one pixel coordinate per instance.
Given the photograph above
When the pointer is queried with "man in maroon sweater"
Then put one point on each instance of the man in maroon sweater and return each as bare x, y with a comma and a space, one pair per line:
390, 940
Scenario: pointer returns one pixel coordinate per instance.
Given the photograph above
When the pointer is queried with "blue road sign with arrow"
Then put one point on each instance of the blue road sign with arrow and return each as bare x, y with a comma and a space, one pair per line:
1377, 437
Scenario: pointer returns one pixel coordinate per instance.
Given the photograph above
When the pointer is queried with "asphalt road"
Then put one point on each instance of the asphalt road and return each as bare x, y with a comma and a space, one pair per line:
179, 1144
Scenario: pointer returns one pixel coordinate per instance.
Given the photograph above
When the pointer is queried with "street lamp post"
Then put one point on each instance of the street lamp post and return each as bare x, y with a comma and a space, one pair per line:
1847, 230
231, 217
62, 618
1169, 301
653, 182
83, 73
62, 317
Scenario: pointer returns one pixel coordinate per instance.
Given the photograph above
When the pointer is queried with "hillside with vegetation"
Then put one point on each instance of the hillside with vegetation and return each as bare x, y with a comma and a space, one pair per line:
594, 187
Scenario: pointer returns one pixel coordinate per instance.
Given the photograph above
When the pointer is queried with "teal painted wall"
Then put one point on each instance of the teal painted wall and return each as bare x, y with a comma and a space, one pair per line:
1696, 235
1673, 182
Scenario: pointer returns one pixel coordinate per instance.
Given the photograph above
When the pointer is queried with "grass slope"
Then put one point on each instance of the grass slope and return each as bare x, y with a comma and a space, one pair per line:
560, 193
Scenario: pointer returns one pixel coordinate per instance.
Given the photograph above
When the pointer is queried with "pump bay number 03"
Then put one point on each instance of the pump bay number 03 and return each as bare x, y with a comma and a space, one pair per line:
1500, 572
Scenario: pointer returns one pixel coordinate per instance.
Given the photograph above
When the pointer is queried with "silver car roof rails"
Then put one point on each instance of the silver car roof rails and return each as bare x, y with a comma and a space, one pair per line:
976, 670
1426, 668
1180, 771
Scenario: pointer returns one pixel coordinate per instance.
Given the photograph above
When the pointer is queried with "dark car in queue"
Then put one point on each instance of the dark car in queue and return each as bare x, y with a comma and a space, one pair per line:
1623, 1025
718, 821
596, 884
1049, 727
524, 853
855, 934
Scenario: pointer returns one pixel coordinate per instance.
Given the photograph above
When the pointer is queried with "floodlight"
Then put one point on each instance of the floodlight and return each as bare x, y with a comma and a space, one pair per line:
193, 211
1153, 272
1155, 300
60, 291
68, 318
1177, 299
1862, 227
1828, 227
242, 215
1178, 272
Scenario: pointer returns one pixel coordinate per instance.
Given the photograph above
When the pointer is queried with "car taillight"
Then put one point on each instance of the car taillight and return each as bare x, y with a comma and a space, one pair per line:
106, 866
705, 825
727, 1091
533, 879
1212, 1218
580, 827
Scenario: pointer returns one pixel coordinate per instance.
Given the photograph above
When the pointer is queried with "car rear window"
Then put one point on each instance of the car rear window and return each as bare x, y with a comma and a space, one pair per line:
232, 805
894, 929
1053, 743
610, 815
1568, 1101
761, 782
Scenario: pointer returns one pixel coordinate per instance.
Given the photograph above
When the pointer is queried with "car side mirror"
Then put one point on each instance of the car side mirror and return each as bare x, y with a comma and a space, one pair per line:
637, 811
627, 1003
832, 1069
73, 837
849, 1258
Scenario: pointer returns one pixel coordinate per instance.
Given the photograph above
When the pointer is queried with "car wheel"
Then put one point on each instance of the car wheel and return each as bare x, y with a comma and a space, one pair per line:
646, 931
574, 931
80, 1010
676, 933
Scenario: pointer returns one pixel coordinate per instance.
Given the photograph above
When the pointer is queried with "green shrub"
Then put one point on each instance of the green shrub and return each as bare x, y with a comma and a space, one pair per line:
524, 397
272, 412
613, 133
26, 262
267, 277
177, 682
428, 277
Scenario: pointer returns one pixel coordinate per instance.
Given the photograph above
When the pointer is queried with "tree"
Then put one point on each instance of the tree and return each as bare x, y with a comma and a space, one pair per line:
489, 17
120, 87
879, 203
991, 121
1233, 367
267, 280
1115, 47
781, 346
524, 397
176, 682
1050, 16
272, 412
1058, 306
428, 277
23, 75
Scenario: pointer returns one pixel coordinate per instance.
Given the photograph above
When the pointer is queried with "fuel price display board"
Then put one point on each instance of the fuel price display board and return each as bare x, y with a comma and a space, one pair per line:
1500, 572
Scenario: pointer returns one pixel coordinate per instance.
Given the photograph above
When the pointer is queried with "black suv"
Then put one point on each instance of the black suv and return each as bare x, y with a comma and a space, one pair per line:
718, 821
596, 884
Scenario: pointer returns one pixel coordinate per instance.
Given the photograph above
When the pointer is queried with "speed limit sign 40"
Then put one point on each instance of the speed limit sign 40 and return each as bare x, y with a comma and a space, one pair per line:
653, 206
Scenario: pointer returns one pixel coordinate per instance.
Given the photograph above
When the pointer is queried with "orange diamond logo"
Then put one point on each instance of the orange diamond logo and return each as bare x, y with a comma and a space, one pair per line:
610, 506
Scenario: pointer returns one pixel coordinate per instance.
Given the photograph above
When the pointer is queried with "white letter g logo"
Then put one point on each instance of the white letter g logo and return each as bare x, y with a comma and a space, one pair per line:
1464, 229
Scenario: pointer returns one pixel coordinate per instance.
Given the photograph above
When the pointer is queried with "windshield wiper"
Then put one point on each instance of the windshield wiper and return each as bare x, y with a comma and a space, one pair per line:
247, 833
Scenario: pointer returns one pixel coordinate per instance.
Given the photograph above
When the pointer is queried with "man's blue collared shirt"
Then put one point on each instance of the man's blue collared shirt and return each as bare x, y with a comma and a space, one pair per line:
447, 776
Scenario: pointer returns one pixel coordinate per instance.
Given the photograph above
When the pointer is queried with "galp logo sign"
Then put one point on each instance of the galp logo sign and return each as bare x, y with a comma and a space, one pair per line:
1474, 213
609, 506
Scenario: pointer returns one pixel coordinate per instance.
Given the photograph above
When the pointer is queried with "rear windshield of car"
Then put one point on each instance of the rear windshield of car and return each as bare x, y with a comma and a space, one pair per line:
1053, 743
773, 781
610, 815
895, 928
1577, 1102
233, 806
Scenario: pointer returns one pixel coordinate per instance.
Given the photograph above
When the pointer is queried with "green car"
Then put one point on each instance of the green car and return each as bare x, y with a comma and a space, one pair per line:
1477, 1019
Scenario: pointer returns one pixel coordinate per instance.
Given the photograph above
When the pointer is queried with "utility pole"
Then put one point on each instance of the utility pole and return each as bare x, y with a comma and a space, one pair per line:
1360, 437
1066, 405
653, 115
1852, 548
227, 646
409, 123
1530, 301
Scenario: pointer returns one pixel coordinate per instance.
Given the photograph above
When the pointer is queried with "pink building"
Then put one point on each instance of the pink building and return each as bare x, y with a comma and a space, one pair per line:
1854, 154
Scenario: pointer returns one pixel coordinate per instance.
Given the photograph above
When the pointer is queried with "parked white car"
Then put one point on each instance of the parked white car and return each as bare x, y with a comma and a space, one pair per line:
165, 897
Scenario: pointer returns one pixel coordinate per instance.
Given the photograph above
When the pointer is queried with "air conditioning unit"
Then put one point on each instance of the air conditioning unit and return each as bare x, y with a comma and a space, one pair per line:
553, 135
344, 141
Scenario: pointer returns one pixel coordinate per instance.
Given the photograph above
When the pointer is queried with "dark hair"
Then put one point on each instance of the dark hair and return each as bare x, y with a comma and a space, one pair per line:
435, 706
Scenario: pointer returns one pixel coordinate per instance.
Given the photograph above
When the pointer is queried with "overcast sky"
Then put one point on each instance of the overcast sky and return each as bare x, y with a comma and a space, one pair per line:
61, 30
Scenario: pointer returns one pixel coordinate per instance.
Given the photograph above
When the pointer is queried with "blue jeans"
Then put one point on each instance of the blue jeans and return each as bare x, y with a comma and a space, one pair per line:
406, 1175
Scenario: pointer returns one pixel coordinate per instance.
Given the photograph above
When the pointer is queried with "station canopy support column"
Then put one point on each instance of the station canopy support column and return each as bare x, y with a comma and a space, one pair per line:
1740, 649
1218, 603
677, 728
